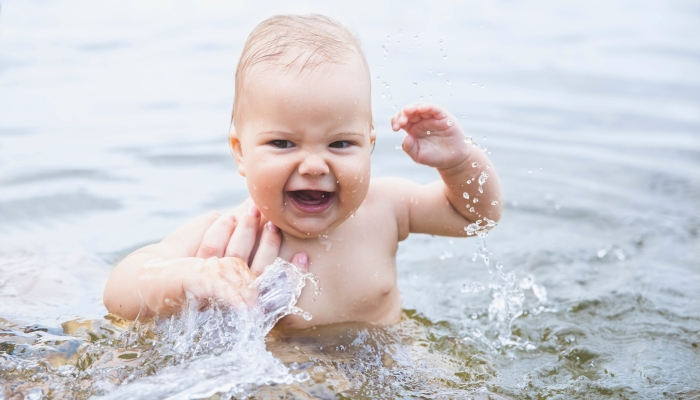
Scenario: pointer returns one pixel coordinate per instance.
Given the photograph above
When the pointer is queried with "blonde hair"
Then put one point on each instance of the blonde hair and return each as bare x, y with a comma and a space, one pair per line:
284, 43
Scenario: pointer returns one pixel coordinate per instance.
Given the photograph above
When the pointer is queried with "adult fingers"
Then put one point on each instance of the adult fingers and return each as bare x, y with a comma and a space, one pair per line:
301, 260
243, 238
268, 250
217, 237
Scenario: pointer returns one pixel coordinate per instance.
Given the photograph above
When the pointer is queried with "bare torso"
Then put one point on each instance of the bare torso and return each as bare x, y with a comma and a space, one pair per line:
356, 267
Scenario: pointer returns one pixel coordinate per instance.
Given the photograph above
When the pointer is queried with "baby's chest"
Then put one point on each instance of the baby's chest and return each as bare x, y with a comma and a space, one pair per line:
356, 273
345, 261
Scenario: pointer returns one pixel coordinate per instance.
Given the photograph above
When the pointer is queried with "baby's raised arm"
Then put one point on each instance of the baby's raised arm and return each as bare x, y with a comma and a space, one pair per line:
469, 191
207, 257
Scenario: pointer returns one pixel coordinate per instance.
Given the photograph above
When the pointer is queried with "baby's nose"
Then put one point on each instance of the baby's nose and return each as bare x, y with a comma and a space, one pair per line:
313, 165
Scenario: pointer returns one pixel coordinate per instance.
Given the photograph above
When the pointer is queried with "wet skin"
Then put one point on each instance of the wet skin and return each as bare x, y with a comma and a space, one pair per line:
303, 144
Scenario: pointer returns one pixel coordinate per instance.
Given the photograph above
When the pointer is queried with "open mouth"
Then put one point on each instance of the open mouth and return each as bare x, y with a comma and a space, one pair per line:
311, 201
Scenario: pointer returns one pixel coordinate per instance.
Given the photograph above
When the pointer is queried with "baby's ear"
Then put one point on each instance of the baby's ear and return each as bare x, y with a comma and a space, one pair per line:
236, 150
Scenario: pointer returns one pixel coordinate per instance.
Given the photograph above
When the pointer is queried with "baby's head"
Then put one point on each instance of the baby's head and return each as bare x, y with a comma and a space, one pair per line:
302, 122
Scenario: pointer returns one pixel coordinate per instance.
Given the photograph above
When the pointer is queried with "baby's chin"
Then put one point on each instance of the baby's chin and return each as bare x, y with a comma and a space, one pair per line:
310, 229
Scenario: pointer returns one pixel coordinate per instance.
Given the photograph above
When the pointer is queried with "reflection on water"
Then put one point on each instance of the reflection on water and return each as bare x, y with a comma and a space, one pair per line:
113, 120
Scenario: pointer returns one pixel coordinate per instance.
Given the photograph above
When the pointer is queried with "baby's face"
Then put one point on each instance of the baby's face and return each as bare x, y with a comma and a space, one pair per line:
304, 145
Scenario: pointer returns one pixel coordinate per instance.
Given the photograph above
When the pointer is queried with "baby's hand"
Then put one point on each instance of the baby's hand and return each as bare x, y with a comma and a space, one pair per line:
226, 278
434, 137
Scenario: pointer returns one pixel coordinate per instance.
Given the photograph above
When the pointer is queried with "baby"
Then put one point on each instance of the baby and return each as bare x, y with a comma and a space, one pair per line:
302, 135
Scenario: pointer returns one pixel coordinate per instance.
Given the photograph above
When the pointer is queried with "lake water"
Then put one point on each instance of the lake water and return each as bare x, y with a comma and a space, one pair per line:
113, 123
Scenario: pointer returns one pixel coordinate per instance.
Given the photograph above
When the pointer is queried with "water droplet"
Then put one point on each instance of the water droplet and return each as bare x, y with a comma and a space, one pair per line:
494, 203
483, 177
415, 37
306, 315
421, 98
440, 73
529, 171
449, 122
449, 82
475, 164
475, 200
440, 41
465, 195
325, 242
473, 83
469, 182
473, 287
540, 292
527, 282
415, 84
483, 86
484, 137
444, 57
428, 132
471, 209
601, 253
430, 71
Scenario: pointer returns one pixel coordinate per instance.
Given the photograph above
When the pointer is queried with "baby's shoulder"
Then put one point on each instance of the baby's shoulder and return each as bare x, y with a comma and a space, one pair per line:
389, 198
387, 185
390, 189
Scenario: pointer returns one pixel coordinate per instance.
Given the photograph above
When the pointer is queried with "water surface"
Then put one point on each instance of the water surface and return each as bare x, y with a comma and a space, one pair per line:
113, 119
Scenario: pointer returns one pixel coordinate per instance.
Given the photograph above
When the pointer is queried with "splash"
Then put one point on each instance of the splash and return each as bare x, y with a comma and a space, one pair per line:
193, 354
219, 350
507, 298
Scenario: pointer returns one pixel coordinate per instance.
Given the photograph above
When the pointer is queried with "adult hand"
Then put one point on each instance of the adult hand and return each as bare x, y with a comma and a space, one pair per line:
220, 268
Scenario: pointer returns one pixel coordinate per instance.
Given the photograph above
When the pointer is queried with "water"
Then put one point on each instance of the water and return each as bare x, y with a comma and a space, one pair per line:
113, 120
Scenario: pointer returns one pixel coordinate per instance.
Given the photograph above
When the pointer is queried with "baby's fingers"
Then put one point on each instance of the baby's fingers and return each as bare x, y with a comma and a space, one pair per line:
428, 110
398, 121
217, 237
414, 113
236, 299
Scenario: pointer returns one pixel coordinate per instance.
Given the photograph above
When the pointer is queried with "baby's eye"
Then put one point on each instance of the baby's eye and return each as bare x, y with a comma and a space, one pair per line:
341, 144
282, 144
